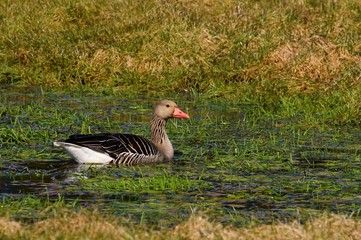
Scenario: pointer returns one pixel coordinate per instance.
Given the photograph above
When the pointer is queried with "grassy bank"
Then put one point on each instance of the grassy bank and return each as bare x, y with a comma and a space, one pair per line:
95, 226
263, 52
217, 47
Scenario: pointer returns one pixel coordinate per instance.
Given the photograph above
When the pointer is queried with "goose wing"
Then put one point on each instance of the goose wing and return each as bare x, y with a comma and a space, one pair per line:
114, 144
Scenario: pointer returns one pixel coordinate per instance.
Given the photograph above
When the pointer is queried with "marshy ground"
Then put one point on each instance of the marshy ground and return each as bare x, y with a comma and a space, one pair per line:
233, 164
272, 147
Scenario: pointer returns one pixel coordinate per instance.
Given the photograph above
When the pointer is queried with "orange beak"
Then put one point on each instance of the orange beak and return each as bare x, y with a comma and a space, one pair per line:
179, 114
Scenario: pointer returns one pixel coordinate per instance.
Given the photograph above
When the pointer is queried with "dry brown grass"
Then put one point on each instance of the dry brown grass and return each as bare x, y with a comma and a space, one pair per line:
9, 228
308, 64
95, 226
163, 45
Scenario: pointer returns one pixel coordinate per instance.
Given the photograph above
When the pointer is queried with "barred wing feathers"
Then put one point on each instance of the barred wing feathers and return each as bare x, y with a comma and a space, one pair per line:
115, 145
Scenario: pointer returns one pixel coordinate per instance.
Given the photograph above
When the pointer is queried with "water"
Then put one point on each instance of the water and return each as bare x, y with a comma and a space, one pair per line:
227, 165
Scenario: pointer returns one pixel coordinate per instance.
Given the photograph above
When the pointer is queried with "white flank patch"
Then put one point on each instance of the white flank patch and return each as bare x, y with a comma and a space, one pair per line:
84, 154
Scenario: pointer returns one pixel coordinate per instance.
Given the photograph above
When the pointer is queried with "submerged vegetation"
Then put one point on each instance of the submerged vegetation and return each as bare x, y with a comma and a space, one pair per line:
273, 88
235, 163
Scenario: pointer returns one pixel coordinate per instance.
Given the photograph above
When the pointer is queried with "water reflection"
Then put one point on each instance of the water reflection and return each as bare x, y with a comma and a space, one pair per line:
35, 177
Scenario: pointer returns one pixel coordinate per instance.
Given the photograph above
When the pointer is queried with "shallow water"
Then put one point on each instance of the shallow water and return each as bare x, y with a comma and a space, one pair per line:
232, 167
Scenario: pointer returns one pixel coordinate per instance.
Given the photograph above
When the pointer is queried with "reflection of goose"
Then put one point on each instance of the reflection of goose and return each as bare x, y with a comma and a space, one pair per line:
127, 149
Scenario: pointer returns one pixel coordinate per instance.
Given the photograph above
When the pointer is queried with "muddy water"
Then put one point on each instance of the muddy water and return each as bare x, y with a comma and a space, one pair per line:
241, 169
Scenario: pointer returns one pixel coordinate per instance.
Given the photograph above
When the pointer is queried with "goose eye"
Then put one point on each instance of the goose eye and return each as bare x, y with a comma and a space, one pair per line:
167, 105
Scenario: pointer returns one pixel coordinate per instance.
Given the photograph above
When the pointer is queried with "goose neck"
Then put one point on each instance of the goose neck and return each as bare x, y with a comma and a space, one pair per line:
160, 138
157, 130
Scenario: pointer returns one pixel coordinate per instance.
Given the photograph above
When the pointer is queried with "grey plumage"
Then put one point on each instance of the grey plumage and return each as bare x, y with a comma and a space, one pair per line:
127, 149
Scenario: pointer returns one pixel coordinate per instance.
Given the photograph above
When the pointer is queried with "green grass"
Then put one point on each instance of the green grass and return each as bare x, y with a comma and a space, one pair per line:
238, 163
272, 87
32, 209
160, 182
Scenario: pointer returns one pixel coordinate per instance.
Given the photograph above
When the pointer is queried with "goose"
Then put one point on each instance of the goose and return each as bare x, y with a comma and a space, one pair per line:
126, 149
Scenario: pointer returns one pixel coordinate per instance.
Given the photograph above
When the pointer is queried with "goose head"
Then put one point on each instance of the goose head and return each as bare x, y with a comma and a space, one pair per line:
168, 109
